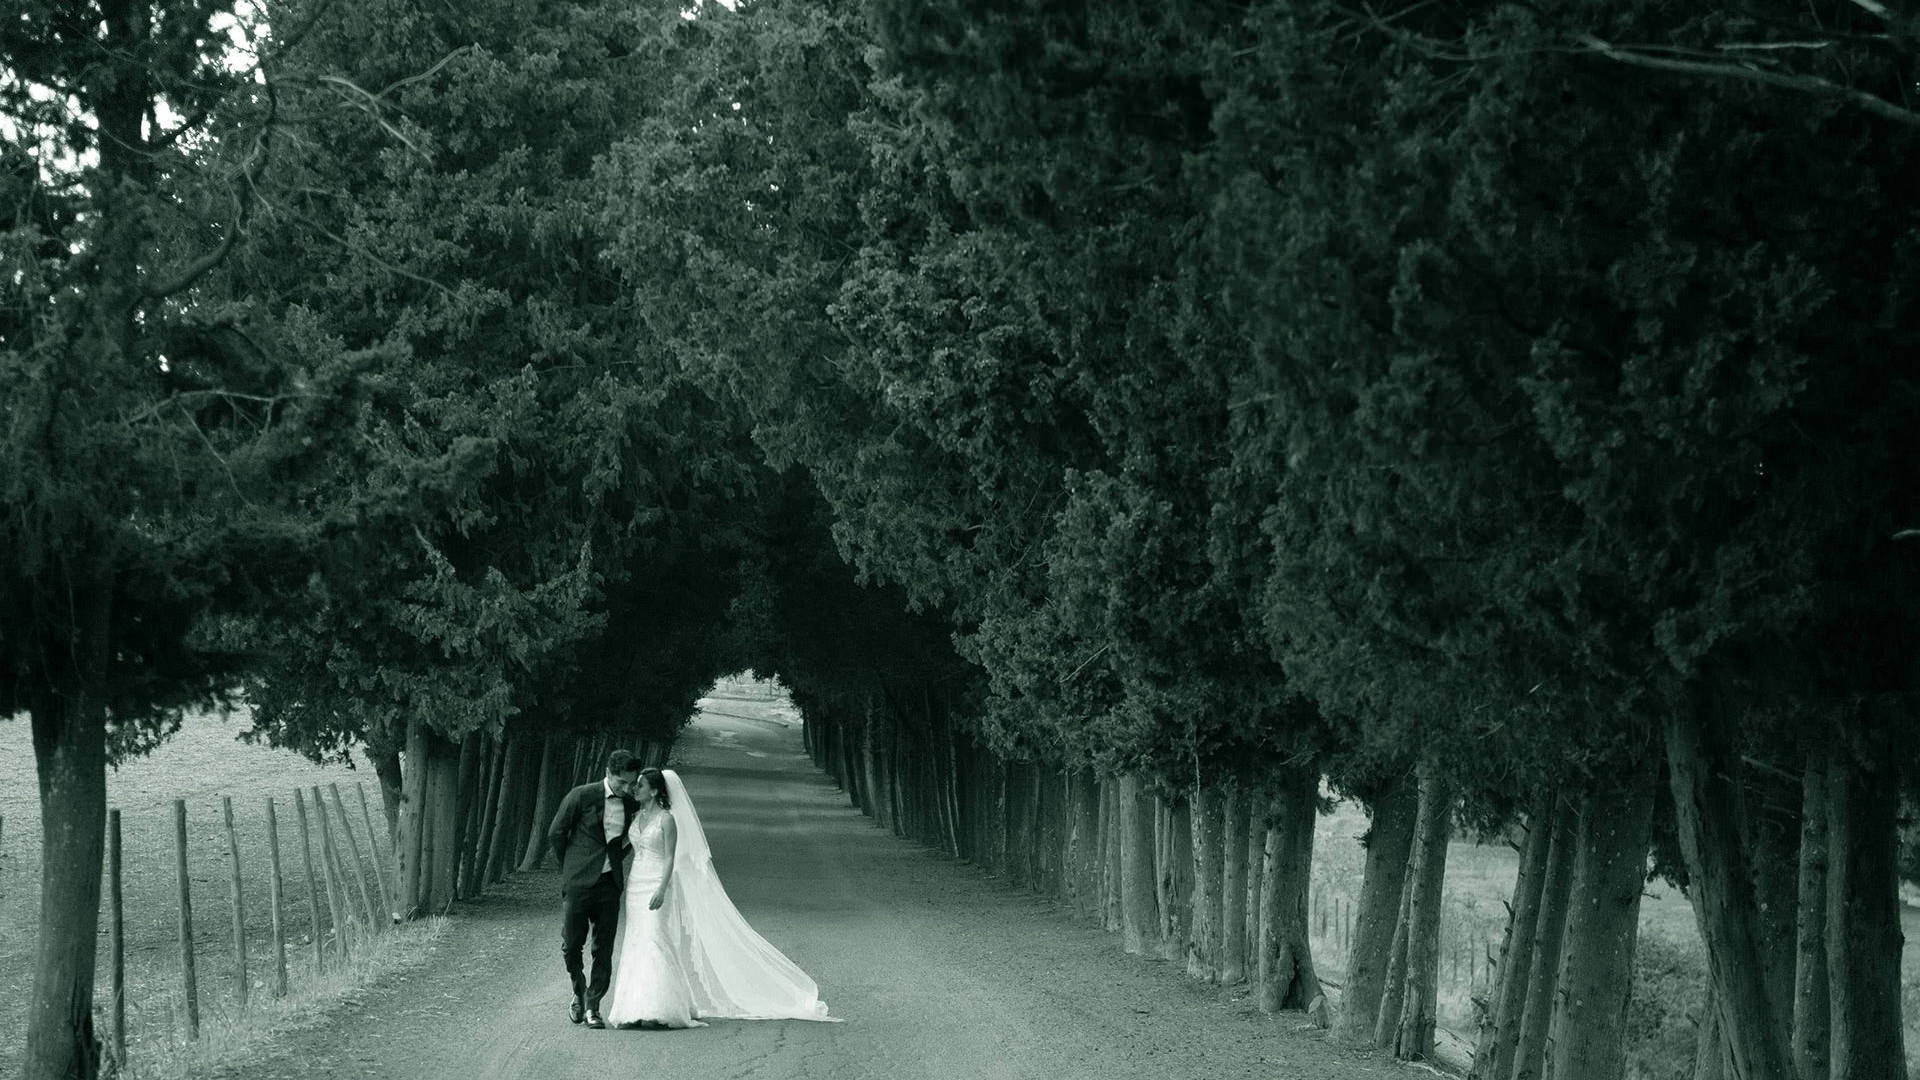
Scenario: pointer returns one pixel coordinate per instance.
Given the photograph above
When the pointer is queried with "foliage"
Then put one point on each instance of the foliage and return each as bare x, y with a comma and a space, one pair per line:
590, 503
161, 425
1667, 1008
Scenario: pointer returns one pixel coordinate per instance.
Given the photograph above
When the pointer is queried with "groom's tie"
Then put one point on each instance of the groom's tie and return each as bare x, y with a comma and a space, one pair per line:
616, 822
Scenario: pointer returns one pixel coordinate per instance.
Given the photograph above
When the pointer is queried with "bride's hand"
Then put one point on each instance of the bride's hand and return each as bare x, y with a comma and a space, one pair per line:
659, 897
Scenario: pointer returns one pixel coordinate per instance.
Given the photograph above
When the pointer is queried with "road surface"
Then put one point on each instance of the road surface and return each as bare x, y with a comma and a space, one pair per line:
940, 971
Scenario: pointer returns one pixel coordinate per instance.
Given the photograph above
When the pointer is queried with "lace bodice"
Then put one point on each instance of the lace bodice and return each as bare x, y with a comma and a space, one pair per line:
648, 835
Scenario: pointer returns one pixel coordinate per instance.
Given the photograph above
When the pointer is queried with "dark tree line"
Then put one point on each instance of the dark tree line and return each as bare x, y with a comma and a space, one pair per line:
1499, 415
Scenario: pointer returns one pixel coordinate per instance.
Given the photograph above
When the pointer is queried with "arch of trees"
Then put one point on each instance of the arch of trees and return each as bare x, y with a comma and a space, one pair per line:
1113, 422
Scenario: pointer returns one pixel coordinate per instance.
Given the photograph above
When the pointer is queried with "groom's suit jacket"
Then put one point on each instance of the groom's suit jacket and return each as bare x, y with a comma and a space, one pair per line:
579, 838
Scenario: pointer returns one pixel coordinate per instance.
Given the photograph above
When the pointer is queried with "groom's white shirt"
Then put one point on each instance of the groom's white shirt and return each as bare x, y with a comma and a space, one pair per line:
614, 818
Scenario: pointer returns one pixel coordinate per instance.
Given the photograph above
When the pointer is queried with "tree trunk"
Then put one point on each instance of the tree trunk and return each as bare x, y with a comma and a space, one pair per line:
1256, 877
482, 815
1173, 861
1810, 997
1287, 977
467, 802
509, 803
409, 852
385, 758
1232, 957
1770, 825
1500, 1032
1549, 931
900, 773
950, 780
1702, 772
1033, 811
440, 827
1863, 919
526, 814
890, 802
1000, 843
1711, 1059
870, 786
1017, 809
915, 780
546, 802
1393, 990
501, 790
1139, 914
593, 764
970, 779
1412, 1038
69, 750
576, 760
1056, 811
853, 767
1055, 816
1084, 844
1203, 943
1182, 849
1112, 866
1603, 922
1389, 847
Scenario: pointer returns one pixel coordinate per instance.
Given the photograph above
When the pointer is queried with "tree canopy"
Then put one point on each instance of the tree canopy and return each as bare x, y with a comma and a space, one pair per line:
1176, 390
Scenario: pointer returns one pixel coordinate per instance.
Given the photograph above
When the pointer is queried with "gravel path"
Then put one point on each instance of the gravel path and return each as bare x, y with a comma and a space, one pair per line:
939, 971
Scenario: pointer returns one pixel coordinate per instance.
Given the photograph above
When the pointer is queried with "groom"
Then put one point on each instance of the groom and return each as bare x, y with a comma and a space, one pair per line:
589, 834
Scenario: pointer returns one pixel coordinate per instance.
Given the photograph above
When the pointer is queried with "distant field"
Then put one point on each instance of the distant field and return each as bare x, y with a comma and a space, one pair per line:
202, 763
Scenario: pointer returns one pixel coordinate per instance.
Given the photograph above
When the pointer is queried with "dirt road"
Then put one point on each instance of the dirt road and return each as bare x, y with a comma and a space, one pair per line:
939, 971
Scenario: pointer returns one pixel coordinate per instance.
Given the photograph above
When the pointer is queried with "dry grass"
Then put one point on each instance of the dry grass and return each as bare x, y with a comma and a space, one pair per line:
201, 764
229, 1037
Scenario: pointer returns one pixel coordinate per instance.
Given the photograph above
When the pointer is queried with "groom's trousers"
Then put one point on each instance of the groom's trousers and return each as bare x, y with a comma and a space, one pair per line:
598, 907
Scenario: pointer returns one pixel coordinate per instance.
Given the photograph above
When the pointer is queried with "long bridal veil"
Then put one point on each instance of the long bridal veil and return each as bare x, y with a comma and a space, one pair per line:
735, 972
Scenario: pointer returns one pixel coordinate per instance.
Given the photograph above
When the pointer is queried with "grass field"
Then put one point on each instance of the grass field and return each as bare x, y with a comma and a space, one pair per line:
1671, 971
202, 763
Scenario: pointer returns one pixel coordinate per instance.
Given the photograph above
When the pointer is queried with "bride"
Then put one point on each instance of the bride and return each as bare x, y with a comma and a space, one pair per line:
686, 953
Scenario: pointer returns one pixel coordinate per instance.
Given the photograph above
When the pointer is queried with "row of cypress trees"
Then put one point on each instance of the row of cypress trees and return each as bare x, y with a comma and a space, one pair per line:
1494, 414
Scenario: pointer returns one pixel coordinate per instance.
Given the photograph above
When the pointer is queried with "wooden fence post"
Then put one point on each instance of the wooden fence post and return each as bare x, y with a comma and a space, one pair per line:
118, 926
186, 918
239, 904
313, 884
373, 849
274, 897
359, 871
337, 903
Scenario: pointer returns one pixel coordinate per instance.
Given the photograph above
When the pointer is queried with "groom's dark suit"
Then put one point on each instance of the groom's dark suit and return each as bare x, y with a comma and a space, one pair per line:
591, 873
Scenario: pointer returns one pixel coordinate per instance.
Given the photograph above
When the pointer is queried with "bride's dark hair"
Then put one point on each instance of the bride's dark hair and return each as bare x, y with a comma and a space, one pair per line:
658, 782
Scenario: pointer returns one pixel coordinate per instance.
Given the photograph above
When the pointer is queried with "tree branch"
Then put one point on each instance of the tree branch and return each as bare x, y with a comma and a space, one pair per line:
1809, 84
171, 399
250, 171
427, 74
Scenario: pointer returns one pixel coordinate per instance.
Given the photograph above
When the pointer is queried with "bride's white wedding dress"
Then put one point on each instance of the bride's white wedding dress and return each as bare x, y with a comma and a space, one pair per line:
694, 956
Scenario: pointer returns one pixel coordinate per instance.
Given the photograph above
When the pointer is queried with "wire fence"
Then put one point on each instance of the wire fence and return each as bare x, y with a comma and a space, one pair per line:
215, 904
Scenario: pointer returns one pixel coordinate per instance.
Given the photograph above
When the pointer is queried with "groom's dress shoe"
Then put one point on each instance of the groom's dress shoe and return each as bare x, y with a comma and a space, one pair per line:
577, 1011
594, 1020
